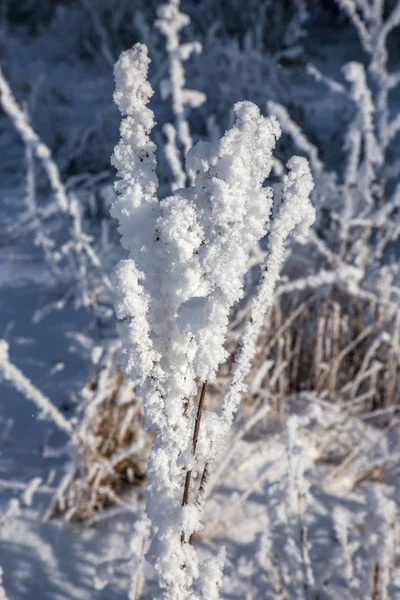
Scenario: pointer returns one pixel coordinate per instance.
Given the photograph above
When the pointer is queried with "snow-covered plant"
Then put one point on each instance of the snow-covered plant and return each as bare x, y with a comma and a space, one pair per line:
111, 446
370, 194
357, 227
380, 531
188, 256
297, 501
304, 548
197, 288
73, 260
170, 21
341, 521
288, 499
374, 23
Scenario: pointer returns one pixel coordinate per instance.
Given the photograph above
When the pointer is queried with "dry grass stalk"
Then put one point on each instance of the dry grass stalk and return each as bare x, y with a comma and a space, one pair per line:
114, 449
332, 347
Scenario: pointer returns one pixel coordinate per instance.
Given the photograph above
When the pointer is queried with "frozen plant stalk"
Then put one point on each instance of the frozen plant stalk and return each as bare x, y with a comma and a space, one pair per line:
188, 256
170, 21
13, 375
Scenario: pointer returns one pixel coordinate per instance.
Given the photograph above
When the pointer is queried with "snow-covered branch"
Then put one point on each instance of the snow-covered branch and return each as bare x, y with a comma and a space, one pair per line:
295, 214
13, 375
32, 140
77, 252
170, 21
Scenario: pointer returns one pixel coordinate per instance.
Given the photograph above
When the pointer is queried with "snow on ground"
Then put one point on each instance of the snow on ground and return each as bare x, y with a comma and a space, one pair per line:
59, 560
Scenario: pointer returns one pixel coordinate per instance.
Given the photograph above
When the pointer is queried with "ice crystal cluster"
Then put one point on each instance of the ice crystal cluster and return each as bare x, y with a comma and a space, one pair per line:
188, 255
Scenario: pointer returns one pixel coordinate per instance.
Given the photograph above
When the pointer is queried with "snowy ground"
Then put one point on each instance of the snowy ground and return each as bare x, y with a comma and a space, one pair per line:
56, 560
51, 560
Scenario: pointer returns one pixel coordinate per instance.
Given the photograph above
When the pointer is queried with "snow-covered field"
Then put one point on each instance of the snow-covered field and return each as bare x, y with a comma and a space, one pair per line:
265, 285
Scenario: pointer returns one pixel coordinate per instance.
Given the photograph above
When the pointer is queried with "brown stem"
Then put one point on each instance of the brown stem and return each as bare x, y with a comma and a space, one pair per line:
185, 498
198, 416
375, 583
203, 479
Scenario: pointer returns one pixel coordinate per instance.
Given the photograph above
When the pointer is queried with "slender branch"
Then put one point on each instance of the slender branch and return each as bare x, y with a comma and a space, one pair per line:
33, 141
22, 384
185, 499
188, 478
198, 417
201, 491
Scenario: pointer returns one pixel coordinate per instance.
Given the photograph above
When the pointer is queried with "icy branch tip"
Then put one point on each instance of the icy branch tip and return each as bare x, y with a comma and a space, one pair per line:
298, 187
248, 113
130, 74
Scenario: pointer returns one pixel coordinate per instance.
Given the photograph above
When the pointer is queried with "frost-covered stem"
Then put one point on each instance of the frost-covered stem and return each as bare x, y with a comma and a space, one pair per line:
21, 383
32, 140
186, 491
138, 546
373, 30
340, 276
173, 157
80, 242
200, 407
342, 526
363, 157
200, 497
379, 70
41, 238
331, 84
198, 416
350, 8
13, 510
364, 152
296, 211
170, 22
81, 245
297, 496
30, 192
292, 129
265, 556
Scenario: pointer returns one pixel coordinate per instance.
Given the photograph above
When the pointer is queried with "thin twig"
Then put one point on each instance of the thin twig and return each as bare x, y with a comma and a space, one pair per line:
198, 416
201, 491
185, 498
